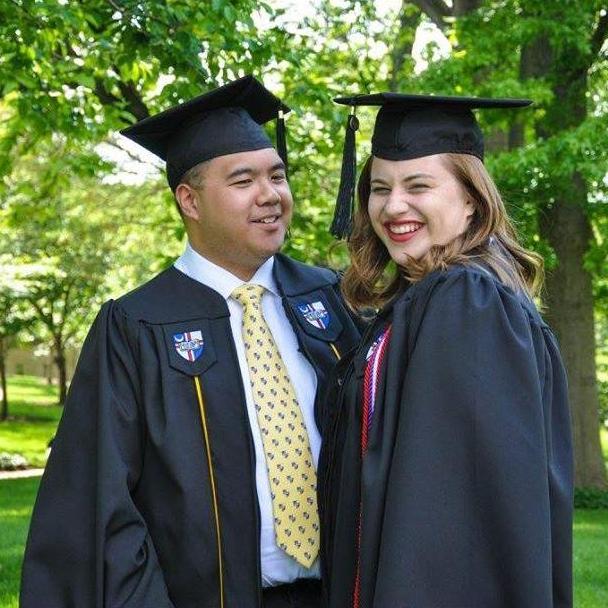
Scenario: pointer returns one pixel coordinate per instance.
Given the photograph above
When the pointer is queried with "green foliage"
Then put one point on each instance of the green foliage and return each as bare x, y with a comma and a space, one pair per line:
87, 66
590, 498
73, 73
65, 231
58, 253
14, 317
554, 53
341, 48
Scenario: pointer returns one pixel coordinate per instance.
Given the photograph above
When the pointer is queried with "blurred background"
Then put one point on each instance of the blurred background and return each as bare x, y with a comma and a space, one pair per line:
85, 215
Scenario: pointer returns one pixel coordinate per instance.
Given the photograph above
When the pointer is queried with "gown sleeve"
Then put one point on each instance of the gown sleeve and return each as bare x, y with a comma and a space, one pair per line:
478, 499
88, 544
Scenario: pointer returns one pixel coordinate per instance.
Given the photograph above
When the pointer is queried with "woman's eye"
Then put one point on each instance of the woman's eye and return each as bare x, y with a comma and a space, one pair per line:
243, 182
419, 187
379, 190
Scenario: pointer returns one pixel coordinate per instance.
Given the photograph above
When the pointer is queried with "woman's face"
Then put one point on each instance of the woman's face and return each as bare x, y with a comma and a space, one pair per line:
415, 204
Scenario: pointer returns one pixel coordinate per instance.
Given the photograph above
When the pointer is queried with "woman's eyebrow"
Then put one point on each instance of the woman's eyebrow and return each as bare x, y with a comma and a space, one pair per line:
409, 178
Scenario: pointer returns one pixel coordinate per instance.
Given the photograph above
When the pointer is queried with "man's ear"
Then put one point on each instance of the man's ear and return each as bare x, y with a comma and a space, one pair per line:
187, 200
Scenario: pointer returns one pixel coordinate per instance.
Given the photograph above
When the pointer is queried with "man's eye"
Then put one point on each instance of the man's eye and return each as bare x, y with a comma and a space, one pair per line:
243, 182
279, 177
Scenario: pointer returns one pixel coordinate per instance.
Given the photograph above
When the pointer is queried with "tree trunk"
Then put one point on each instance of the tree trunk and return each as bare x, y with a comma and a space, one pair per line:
567, 228
409, 20
564, 224
462, 7
3, 388
569, 297
60, 361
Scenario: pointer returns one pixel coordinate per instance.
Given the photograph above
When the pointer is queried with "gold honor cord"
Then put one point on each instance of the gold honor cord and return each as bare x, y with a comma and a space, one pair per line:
336, 351
201, 405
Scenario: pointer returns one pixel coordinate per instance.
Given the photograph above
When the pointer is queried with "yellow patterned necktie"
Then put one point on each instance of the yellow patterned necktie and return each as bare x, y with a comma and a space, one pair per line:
293, 480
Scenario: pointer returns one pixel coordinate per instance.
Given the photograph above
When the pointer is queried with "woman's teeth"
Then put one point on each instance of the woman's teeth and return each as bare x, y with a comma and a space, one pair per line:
404, 228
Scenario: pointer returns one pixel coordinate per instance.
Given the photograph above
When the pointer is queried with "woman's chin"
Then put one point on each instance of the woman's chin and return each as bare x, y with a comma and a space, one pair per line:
403, 259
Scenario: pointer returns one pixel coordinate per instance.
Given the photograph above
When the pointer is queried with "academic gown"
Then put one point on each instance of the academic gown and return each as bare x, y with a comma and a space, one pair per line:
149, 497
464, 495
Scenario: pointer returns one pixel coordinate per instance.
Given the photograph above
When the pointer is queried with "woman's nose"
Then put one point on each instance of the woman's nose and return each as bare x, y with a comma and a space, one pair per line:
396, 203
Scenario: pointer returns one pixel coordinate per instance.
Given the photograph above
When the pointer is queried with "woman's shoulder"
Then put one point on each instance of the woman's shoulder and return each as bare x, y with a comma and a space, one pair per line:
467, 288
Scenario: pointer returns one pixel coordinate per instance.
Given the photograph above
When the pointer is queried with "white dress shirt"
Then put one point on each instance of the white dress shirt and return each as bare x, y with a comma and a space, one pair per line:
277, 566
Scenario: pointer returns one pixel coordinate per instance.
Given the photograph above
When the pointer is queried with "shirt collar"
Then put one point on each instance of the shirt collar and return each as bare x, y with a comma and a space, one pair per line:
219, 279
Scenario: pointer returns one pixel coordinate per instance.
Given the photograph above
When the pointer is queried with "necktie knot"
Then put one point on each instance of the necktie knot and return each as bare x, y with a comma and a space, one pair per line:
249, 294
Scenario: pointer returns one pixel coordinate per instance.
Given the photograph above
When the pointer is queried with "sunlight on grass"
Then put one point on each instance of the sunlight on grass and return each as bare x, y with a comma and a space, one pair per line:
33, 418
31, 390
16, 503
590, 558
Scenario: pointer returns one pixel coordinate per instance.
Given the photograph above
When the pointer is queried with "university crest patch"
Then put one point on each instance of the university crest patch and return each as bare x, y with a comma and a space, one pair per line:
316, 314
189, 345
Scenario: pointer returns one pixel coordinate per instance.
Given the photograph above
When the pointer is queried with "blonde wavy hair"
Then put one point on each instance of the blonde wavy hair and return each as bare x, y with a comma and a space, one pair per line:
490, 241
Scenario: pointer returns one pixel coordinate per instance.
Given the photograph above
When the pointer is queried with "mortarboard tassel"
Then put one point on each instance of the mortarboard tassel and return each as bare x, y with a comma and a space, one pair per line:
341, 225
282, 139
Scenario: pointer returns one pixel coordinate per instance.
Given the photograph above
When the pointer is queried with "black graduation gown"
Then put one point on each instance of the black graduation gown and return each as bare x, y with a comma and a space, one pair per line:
466, 487
126, 515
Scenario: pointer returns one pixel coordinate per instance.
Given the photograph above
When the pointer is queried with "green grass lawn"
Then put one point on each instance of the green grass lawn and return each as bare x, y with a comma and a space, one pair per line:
16, 502
33, 417
17, 498
591, 559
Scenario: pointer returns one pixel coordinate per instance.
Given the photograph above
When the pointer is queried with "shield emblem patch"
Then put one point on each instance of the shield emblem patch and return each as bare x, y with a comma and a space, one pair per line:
189, 345
316, 314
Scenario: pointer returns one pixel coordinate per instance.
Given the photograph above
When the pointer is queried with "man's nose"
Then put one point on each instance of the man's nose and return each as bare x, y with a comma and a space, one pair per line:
268, 194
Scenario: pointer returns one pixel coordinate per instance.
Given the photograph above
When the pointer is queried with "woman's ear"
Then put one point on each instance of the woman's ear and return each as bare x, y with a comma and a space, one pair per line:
469, 206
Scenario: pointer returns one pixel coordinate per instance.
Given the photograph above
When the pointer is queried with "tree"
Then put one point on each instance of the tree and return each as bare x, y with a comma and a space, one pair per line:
75, 241
13, 319
85, 68
83, 71
555, 53
565, 220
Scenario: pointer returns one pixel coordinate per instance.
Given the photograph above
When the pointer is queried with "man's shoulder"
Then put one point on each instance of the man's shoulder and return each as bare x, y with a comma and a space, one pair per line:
296, 277
169, 297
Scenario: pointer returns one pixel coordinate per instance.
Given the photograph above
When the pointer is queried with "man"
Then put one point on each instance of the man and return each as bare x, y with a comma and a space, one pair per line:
183, 474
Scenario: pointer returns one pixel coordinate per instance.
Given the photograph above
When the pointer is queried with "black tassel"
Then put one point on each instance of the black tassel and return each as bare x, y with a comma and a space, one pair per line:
282, 139
341, 225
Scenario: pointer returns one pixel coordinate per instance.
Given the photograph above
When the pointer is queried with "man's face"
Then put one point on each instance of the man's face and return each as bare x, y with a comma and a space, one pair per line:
242, 210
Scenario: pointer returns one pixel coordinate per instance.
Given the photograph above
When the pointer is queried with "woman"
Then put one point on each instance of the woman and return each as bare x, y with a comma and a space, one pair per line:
446, 474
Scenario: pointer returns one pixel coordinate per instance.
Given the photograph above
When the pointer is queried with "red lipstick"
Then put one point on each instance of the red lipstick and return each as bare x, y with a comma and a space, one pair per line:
402, 237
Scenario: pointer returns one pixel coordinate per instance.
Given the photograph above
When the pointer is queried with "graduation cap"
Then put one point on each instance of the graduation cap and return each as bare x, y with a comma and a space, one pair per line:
224, 121
407, 127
